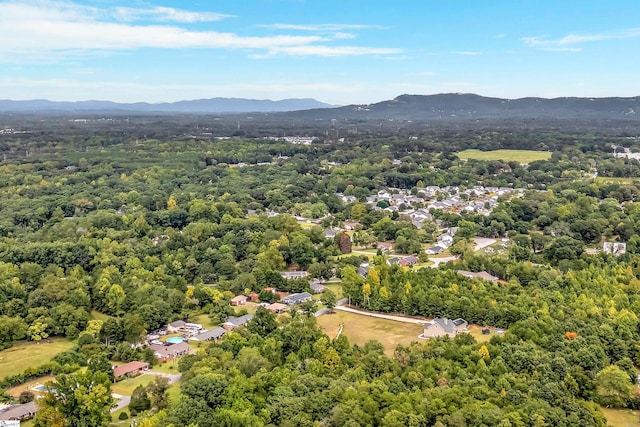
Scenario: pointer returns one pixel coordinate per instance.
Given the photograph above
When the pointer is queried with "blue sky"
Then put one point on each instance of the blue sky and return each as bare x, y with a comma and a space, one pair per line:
339, 52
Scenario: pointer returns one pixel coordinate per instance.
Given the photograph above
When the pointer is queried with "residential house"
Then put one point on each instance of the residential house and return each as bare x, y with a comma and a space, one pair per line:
168, 352
299, 298
480, 275
129, 369
436, 249
329, 234
176, 327
441, 326
254, 297
277, 307
19, 412
213, 334
317, 288
409, 261
363, 271
614, 248
239, 300
235, 322
384, 246
294, 274
272, 290
461, 324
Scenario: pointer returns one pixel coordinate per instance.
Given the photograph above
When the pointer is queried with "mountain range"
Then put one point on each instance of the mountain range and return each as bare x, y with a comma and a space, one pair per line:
454, 106
198, 106
447, 106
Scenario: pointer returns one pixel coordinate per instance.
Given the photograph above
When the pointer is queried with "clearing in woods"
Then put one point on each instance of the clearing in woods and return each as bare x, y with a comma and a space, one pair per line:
520, 156
360, 329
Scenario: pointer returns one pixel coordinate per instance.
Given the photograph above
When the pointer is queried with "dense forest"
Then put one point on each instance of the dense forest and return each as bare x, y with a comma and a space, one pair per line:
149, 221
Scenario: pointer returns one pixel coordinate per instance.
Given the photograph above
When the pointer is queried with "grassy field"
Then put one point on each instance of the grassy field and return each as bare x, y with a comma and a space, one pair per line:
205, 321
520, 156
360, 329
612, 180
336, 288
126, 387
30, 354
621, 417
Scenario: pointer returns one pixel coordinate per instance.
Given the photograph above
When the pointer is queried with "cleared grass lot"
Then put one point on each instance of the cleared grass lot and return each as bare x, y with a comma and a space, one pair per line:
520, 156
360, 329
30, 355
621, 417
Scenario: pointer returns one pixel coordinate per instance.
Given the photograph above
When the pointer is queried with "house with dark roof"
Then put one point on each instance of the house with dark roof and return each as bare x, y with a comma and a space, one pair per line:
235, 322
19, 412
213, 334
461, 324
363, 271
299, 298
168, 352
441, 326
129, 369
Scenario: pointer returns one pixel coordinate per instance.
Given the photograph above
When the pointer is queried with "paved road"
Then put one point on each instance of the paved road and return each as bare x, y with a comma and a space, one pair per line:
123, 402
382, 316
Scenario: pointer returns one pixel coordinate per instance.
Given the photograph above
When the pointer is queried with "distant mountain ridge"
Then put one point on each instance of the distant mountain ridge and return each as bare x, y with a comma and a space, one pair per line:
212, 105
445, 106
455, 106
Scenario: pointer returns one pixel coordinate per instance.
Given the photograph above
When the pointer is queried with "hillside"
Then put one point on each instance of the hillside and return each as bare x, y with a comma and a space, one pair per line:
453, 106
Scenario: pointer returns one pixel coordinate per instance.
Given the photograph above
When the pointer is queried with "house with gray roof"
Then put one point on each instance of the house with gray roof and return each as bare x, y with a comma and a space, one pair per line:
213, 334
441, 326
234, 322
299, 298
19, 412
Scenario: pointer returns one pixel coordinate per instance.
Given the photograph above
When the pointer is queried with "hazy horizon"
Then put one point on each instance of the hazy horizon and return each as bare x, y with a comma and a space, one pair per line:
335, 52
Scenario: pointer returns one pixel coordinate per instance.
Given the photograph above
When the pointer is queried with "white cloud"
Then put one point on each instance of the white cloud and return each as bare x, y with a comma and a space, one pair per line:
165, 14
565, 43
499, 36
324, 27
319, 50
42, 30
469, 53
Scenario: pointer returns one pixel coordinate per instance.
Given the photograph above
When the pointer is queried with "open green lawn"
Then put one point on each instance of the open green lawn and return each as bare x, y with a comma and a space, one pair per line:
612, 180
621, 417
360, 329
476, 332
204, 320
30, 354
520, 156
126, 387
335, 287
174, 391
